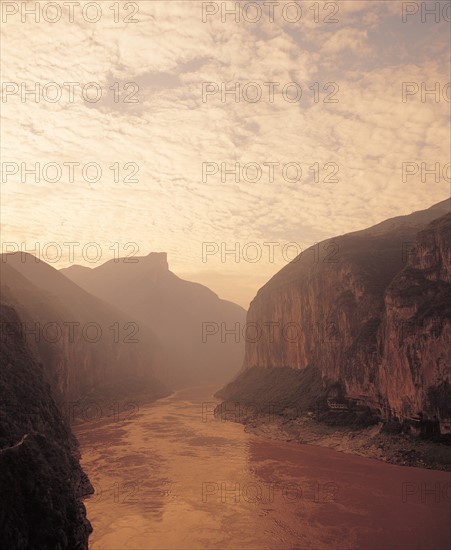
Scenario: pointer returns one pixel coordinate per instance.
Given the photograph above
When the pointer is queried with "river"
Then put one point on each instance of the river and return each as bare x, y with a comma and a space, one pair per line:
169, 476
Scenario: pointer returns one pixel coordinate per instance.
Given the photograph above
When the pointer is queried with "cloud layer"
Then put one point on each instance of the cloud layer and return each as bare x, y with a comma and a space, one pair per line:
351, 117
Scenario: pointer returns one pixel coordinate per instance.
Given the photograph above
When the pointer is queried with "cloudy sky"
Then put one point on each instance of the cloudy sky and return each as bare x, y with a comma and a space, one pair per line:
163, 131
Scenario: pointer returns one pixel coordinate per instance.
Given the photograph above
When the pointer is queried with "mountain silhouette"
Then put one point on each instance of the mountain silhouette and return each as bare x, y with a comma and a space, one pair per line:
189, 319
87, 346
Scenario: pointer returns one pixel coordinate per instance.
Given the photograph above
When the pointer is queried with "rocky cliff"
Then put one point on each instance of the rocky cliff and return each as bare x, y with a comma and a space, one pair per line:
369, 310
61, 348
415, 333
41, 481
87, 348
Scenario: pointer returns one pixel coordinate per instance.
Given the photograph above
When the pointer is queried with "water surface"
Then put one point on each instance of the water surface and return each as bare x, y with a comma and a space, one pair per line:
169, 476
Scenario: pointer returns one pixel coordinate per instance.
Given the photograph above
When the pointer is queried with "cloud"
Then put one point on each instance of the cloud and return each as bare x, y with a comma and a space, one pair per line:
353, 40
362, 61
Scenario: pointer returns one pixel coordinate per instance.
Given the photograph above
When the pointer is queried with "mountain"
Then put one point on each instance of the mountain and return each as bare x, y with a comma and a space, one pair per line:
41, 481
368, 312
189, 319
87, 347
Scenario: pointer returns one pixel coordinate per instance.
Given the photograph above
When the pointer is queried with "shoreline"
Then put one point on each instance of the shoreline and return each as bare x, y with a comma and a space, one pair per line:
370, 442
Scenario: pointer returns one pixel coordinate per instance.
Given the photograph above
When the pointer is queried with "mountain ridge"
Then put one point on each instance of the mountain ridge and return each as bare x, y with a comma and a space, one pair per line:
179, 312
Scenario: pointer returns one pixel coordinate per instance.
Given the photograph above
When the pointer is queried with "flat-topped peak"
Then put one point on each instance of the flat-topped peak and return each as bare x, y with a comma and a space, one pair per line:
159, 259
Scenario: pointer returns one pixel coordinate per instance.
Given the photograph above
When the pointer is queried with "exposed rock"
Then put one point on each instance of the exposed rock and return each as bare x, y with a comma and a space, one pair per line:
86, 346
41, 481
370, 310
415, 335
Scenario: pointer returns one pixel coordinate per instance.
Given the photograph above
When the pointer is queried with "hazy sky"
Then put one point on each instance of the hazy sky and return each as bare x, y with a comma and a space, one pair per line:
167, 129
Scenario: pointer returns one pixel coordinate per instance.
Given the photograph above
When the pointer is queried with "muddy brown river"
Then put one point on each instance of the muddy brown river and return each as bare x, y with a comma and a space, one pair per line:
169, 476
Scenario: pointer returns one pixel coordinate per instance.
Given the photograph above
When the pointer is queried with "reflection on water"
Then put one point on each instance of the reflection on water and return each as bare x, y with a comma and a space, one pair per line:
171, 477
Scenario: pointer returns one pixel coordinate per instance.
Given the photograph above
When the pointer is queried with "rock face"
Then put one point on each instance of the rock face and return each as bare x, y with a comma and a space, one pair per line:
188, 318
415, 335
41, 481
86, 346
59, 346
370, 310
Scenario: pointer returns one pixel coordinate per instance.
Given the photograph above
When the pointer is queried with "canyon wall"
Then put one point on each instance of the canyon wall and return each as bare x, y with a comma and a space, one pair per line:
415, 334
61, 348
370, 310
41, 481
87, 348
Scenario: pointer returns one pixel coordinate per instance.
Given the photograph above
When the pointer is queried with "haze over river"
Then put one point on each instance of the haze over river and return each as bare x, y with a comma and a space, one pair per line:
169, 476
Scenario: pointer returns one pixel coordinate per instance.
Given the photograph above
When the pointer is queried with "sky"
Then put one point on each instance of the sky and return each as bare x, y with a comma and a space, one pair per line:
138, 153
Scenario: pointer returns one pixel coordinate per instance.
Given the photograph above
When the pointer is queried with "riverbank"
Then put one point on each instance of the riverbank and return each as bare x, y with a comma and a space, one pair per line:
370, 442
291, 405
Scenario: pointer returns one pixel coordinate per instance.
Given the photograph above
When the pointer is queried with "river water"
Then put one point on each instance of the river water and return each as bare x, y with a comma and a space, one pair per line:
169, 476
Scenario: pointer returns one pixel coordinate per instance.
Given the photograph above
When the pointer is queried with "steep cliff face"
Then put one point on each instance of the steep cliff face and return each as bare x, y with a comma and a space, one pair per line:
188, 318
86, 346
338, 307
415, 336
41, 481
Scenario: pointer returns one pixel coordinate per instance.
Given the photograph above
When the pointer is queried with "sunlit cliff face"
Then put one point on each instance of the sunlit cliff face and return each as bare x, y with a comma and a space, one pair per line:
218, 136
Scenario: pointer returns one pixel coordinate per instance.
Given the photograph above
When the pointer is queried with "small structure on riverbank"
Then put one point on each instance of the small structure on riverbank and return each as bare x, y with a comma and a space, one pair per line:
445, 426
337, 405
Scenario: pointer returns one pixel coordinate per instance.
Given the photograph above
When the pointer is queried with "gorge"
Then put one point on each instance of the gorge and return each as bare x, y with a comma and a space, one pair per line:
353, 339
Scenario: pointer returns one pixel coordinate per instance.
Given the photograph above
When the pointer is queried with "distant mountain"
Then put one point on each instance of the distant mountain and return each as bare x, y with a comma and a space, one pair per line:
369, 311
87, 347
41, 481
189, 319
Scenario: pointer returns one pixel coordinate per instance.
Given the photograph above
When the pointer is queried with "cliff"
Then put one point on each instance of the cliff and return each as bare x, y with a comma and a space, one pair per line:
370, 311
87, 348
415, 334
41, 481
60, 347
